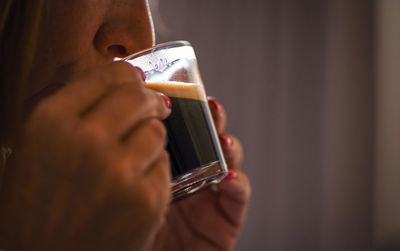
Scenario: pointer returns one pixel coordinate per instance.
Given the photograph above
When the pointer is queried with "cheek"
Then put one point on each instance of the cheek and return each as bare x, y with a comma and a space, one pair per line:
70, 26
66, 41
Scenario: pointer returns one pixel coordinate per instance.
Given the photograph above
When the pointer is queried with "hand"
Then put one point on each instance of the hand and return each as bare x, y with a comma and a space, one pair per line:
210, 220
90, 172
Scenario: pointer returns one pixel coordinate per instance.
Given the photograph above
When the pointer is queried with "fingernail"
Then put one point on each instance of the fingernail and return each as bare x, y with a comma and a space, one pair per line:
141, 73
225, 139
213, 102
167, 101
231, 175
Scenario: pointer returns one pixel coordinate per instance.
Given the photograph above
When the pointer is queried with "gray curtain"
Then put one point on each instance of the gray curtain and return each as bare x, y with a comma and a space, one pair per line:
297, 80
387, 126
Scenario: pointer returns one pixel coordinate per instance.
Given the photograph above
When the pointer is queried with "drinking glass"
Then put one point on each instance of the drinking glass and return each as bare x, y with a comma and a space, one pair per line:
195, 152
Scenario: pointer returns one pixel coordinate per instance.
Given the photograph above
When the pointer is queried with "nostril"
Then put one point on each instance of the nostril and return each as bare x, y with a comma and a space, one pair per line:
117, 50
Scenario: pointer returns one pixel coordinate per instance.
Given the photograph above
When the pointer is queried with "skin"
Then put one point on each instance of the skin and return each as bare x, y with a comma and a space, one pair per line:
91, 172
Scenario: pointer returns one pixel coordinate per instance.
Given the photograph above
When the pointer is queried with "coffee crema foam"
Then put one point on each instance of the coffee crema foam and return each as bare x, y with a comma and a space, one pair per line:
179, 89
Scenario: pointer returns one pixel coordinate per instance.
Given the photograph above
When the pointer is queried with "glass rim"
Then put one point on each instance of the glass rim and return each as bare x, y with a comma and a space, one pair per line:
166, 45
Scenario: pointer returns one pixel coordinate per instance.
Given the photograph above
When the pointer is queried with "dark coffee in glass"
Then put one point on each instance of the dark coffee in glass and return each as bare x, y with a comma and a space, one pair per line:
195, 153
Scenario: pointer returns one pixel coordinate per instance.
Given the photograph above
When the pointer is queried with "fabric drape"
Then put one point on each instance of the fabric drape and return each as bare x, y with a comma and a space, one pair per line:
301, 83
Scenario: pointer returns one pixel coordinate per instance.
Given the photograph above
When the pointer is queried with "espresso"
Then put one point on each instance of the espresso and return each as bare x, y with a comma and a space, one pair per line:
191, 137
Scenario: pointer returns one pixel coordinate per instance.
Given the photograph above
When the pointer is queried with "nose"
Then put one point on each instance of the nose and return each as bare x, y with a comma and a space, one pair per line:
127, 28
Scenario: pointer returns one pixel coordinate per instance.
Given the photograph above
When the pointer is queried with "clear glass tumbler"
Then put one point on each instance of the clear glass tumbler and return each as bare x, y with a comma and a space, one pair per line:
193, 145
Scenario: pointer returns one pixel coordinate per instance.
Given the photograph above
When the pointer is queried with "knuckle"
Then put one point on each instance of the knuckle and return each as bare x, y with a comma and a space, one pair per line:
157, 128
107, 77
161, 103
123, 67
136, 91
164, 159
157, 105
157, 190
164, 164
143, 93
110, 74
135, 94
124, 70
151, 103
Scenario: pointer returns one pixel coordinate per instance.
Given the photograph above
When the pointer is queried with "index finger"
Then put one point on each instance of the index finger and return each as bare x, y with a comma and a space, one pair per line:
82, 93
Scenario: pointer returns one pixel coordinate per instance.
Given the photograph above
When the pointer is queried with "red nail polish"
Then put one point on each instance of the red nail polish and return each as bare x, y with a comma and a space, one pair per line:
225, 139
213, 102
231, 175
167, 101
141, 73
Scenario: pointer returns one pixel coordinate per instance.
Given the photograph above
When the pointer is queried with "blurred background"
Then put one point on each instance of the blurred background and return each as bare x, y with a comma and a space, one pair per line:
312, 90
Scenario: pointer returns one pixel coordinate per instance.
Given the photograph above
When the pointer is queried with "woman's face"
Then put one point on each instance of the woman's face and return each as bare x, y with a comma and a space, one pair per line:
77, 35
